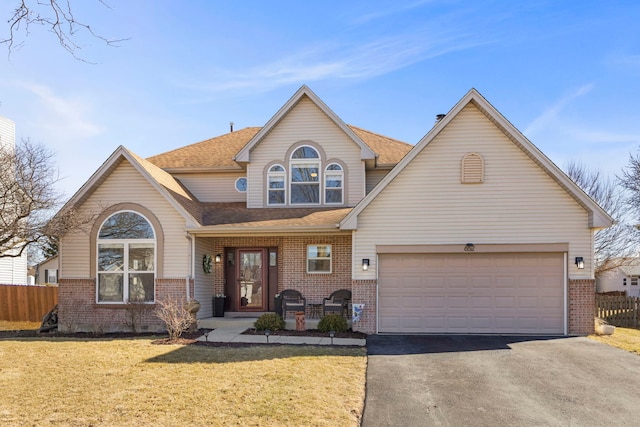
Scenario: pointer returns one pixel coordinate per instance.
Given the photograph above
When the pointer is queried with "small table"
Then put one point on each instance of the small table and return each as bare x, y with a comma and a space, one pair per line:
315, 311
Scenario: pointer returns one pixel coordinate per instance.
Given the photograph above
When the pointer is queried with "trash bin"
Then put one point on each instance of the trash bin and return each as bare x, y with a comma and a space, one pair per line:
218, 306
278, 304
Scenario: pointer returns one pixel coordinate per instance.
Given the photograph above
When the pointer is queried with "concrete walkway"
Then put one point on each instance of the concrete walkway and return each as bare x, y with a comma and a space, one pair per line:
229, 330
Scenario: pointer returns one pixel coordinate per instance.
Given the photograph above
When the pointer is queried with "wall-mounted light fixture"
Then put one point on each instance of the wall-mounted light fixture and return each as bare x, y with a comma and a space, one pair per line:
469, 247
365, 264
218, 258
580, 262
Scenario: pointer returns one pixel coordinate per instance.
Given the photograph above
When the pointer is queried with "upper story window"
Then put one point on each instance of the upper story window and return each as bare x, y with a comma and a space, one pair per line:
333, 184
241, 185
276, 178
305, 176
126, 259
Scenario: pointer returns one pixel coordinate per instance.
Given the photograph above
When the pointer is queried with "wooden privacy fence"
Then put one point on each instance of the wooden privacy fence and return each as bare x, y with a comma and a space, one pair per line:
620, 311
20, 303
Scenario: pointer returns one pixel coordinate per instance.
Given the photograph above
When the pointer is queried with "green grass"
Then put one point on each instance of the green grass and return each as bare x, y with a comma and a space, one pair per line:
131, 382
624, 338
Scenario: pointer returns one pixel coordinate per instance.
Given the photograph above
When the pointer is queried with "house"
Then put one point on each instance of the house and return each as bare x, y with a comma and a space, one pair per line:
46, 272
623, 277
472, 230
13, 266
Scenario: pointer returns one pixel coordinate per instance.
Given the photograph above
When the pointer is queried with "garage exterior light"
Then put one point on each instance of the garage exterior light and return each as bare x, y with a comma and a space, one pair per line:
580, 262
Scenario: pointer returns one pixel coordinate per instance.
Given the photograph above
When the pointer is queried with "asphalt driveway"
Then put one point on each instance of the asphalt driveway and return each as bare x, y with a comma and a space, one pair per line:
499, 381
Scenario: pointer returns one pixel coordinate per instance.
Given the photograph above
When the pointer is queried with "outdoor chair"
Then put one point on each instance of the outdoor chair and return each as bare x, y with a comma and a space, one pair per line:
337, 303
292, 300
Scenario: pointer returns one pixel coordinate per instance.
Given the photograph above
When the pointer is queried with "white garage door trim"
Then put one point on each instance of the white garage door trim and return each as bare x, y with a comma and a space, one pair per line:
558, 250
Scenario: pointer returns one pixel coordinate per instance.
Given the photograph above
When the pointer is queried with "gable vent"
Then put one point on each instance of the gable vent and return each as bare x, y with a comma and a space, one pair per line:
472, 169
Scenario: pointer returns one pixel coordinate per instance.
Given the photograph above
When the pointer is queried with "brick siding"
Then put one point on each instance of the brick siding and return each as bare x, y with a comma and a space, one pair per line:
364, 292
582, 301
78, 311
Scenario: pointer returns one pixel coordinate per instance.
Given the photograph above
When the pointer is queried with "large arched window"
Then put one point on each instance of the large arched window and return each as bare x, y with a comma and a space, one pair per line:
305, 176
333, 184
276, 178
126, 259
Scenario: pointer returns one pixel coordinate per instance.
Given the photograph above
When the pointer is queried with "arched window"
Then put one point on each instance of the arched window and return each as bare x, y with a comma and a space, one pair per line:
126, 259
333, 184
276, 178
305, 176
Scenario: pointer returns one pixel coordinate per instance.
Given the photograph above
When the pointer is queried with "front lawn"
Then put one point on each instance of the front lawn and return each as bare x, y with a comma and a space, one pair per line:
624, 338
131, 382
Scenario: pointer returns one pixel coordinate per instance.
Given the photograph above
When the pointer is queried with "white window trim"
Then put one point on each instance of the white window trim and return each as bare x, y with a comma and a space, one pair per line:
235, 184
328, 173
315, 161
125, 271
278, 174
330, 258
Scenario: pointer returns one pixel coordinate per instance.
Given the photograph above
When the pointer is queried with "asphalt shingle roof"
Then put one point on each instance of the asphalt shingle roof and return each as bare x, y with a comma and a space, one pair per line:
218, 152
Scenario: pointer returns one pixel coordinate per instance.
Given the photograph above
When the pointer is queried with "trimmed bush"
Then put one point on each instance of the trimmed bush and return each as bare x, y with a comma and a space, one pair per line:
333, 322
270, 321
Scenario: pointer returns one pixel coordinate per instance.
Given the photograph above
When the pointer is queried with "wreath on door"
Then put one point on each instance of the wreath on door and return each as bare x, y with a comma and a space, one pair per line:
207, 263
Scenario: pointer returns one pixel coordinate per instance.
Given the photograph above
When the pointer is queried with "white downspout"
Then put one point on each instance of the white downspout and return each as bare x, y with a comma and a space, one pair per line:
192, 251
565, 294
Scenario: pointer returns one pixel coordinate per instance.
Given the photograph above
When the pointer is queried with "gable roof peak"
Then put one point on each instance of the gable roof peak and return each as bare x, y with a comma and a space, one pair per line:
244, 154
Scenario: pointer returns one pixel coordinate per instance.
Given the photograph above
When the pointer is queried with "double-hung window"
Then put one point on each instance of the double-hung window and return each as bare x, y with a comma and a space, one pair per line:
333, 182
126, 259
319, 259
276, 178
305, 176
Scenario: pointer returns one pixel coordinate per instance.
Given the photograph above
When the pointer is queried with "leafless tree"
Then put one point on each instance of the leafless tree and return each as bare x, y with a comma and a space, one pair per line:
57, 17
28, 198
614, 244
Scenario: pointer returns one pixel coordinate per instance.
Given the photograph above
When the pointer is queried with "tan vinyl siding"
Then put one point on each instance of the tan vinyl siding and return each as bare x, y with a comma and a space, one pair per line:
518, 202
218, 188
126, 184
204, 289
374, 177
305, 122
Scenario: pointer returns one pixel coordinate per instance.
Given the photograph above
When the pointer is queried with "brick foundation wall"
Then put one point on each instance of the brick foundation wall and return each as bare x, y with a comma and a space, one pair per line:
78, 311
364, 292
582, 302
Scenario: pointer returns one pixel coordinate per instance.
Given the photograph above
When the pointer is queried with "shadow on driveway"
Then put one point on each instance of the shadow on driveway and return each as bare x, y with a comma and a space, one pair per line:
424, 344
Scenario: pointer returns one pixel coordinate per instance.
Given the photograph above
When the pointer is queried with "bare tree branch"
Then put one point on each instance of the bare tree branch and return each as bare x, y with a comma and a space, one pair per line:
28, 198
57, 17
616, 244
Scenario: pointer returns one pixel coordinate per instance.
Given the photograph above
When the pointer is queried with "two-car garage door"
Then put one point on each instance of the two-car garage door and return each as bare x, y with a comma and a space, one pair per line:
520, 293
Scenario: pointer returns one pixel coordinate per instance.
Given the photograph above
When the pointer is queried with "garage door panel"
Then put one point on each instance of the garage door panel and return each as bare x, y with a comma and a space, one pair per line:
471, 293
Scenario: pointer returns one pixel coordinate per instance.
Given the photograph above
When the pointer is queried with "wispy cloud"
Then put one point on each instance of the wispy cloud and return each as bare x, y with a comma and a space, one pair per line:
63, 116
551, 114
344, 61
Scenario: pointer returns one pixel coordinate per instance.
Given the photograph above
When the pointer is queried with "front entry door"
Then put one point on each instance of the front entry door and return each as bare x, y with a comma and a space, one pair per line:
251, 276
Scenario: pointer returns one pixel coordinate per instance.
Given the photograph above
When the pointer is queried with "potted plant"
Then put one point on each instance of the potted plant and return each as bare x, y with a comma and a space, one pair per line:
218, 305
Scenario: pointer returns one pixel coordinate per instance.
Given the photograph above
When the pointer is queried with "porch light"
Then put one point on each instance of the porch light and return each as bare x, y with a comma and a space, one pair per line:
218, 258
365, 264
580, 262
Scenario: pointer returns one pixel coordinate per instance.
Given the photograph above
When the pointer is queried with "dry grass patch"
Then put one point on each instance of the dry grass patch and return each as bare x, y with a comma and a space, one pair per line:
132, 382
624, 338
18, 326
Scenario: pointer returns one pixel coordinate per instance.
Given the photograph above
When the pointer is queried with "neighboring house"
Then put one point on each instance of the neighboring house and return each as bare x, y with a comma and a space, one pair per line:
46, 272
472, 230
623, 278
13, 269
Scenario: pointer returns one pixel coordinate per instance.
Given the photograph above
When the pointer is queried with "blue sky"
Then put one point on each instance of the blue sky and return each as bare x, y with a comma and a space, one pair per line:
566, 73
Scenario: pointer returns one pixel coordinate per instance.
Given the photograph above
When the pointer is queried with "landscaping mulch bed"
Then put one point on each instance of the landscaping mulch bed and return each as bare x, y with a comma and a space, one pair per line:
308, 333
